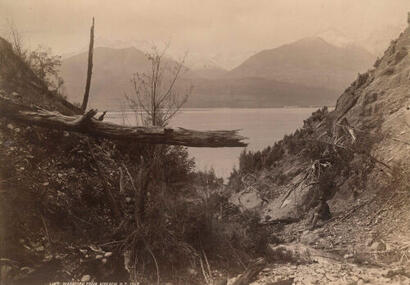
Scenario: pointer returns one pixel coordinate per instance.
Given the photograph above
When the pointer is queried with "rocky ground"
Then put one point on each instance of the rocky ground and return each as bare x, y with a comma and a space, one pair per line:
57, 202
367, 240
369, 246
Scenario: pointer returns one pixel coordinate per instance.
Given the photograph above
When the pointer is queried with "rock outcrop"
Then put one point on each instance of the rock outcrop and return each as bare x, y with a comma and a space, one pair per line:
374, 110
357, 158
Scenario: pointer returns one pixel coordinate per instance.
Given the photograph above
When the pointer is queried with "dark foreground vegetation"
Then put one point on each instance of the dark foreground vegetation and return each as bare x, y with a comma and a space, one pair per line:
75, 207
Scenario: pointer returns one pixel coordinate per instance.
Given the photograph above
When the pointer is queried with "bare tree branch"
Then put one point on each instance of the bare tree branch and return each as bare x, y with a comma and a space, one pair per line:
159, 102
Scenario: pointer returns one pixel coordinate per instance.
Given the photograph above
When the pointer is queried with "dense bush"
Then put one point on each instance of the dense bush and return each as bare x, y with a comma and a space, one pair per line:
250, 162
253, 161
193, 222
141, 202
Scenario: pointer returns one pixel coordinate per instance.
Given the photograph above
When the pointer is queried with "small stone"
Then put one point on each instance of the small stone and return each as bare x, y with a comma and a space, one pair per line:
375, 245
86, 278
96, 248
104, 260
46, 183
128, 199
347, 255
107, 254
98, 256
27, 270
40, 248
48, 257
10, 126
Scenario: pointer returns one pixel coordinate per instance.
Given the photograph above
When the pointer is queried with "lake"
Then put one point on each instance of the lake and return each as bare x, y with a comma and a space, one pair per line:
263, 127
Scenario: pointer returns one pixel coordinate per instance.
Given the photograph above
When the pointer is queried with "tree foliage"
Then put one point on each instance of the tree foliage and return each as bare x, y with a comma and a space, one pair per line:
41, 61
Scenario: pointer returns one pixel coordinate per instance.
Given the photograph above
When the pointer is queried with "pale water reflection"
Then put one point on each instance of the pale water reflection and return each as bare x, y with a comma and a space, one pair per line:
262, 126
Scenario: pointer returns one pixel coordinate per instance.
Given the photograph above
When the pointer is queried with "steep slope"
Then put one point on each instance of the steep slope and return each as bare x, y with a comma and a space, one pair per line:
16, 78
373, 111
44, 182
61, 206
310, 62
76, 208
356, 159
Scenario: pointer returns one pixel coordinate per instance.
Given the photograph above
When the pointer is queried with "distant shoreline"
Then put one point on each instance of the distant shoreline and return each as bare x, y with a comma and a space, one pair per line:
225, 108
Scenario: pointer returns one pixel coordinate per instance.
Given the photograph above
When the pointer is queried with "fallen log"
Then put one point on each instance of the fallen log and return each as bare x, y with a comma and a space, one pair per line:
88, 125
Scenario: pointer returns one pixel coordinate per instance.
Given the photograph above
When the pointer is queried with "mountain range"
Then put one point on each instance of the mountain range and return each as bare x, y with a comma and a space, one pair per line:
307, 72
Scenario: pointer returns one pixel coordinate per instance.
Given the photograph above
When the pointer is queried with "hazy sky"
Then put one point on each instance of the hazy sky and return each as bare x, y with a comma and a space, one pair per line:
206, 28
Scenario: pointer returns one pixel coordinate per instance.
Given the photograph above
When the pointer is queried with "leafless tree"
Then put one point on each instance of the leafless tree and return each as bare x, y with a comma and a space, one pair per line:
46, 67
156, 93
15, 39
41, 61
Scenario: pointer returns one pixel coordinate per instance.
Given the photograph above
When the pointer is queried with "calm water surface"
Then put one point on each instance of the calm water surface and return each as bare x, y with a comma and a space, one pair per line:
262, 126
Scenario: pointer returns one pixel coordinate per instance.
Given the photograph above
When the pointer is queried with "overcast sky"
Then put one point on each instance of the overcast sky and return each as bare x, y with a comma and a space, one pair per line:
207, 28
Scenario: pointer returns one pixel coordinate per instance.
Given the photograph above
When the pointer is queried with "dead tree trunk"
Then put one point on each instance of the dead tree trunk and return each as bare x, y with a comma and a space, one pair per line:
89, 70
88, 125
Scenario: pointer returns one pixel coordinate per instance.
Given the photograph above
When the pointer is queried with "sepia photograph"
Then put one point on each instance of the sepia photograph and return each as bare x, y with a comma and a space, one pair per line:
216, 142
